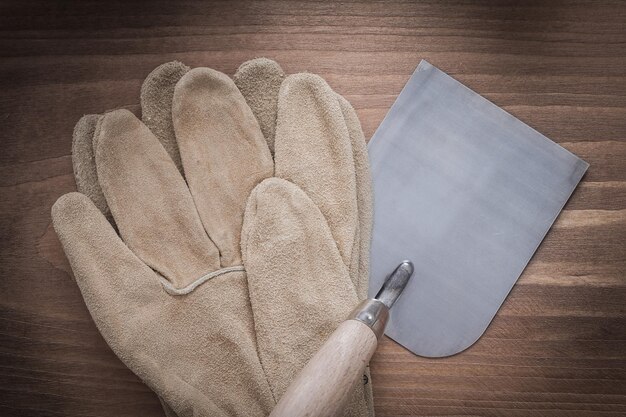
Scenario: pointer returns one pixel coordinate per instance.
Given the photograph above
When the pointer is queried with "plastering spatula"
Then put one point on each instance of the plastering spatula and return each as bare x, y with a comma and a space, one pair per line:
467, 192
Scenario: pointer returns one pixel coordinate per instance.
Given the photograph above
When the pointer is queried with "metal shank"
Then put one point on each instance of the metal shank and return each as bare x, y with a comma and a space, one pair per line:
373, 313
395, 283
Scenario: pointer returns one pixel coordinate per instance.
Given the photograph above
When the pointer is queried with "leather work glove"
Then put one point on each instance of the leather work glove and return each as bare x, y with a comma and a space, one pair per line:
172, 297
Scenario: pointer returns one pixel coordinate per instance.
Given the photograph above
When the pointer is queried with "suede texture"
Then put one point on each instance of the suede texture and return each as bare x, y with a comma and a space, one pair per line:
359, 265
84, 163
297, 293
312, 151
157, 93
259, 81
168, 341
223, 151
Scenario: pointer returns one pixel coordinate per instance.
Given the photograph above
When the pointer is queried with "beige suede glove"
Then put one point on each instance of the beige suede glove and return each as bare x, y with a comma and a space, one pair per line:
289, 311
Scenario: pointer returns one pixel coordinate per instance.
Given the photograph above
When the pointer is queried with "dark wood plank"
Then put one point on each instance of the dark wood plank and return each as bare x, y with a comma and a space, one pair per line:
557, 346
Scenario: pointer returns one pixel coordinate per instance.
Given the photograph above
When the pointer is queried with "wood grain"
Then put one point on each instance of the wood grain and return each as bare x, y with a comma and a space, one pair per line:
558, 345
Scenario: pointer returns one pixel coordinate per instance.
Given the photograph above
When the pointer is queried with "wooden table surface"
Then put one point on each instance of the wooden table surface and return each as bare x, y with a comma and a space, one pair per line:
558, 345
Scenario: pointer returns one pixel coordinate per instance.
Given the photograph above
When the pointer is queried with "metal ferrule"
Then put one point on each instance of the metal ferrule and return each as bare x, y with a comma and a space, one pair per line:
373, 313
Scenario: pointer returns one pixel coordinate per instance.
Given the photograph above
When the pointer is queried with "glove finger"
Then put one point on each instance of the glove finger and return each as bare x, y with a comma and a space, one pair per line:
150, 202
313, 151
84, 162
157, 92
259, 81
359, 267
299, 287
113, 281
223, 152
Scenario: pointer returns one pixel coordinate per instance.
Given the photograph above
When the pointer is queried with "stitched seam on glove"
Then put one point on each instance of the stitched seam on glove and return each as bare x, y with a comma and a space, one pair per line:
170, 289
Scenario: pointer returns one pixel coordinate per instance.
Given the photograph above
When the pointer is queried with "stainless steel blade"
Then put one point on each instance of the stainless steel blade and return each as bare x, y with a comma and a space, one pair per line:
467, 192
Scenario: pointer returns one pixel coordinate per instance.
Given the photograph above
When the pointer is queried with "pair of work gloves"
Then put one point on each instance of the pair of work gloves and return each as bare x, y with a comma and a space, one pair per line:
221, 239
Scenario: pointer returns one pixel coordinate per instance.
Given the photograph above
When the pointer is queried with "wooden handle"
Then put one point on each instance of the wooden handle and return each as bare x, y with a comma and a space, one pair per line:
322, 387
